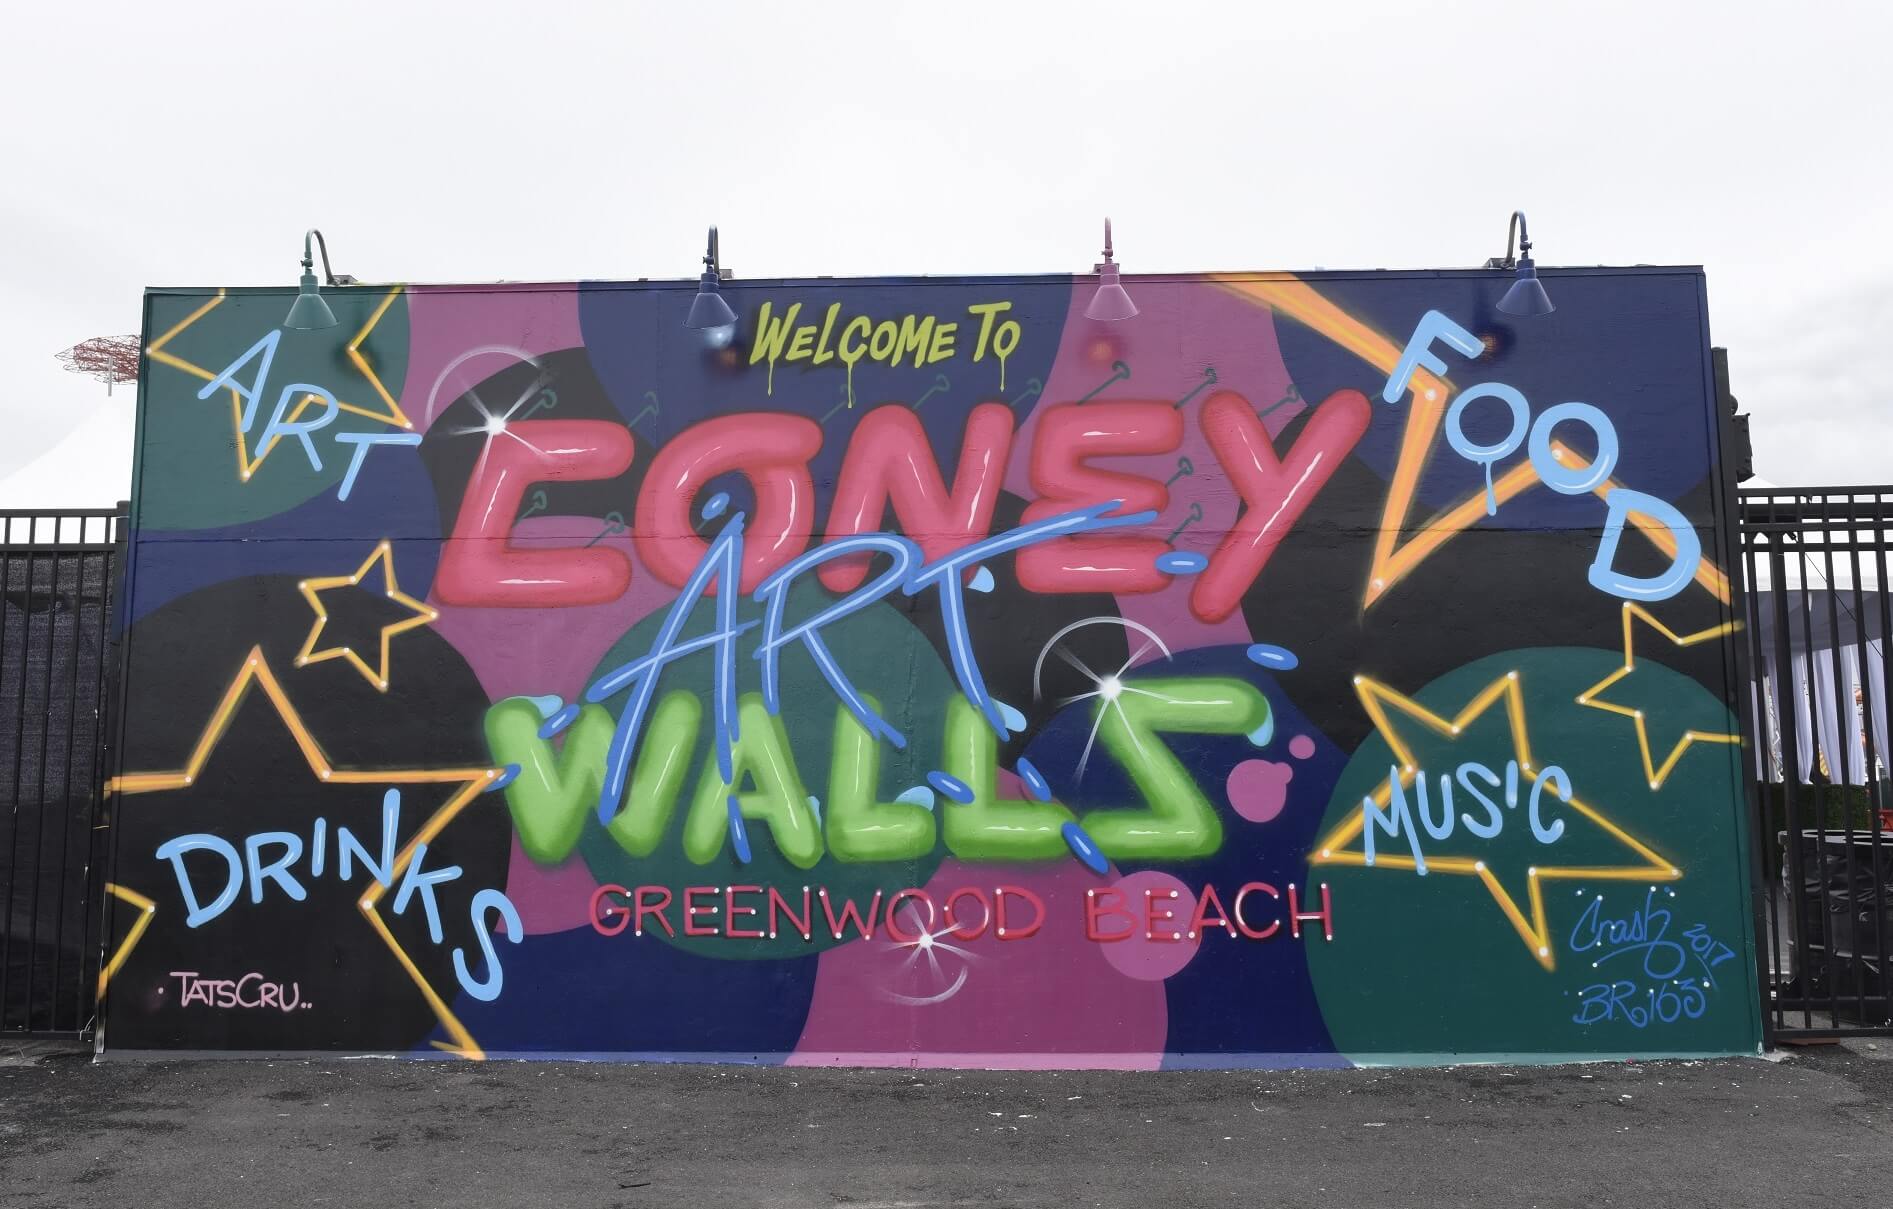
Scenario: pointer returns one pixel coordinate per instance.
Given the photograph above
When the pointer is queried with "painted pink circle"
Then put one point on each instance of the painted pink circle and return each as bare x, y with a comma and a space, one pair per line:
1137, 956
1301, 747
1258, 789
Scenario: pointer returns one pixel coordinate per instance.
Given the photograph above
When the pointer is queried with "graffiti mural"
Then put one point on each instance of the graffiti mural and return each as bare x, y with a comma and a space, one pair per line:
1307, 670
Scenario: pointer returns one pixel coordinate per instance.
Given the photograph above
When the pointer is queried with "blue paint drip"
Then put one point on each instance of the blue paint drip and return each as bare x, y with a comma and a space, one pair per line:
714, 506
1085, 849
1181, 562
982, 580
1276, 658
1014, 720
506, 777
951, 786
739, 831
1034, 780
548, 705
559, 721
1261, 735
919, 795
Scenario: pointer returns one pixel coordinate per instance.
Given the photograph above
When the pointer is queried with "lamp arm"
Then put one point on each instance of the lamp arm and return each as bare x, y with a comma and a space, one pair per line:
308, 260
710, 257
1517, 230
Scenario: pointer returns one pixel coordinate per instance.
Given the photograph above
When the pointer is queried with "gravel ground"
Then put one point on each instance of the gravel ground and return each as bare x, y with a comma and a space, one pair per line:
1810, 1130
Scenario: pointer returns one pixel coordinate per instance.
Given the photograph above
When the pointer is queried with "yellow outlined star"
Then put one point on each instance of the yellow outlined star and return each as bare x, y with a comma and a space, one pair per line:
1534, 931
245, 466
311, 590
1657, 774
1393, 560
256, 671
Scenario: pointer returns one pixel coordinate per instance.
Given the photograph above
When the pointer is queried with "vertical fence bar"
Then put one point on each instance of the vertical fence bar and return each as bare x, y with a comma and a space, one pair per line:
1812, 700
1792, 855
45, 716
1761, 711
92, 954
7, 874
1876, 798
95, 679
112, 715
69, 811
1841, 778
1883, 855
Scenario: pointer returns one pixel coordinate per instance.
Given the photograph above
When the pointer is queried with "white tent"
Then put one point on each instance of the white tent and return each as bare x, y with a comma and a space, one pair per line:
90, 467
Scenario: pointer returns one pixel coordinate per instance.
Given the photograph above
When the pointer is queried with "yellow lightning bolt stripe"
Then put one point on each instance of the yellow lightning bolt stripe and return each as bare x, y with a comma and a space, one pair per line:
1392, 562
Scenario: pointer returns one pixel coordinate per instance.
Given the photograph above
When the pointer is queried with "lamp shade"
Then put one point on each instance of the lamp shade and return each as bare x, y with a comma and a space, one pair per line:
309, 312
709, 309
1527, 295
1111, 302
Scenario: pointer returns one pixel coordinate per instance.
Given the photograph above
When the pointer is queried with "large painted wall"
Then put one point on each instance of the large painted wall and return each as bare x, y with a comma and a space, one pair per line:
1308, 670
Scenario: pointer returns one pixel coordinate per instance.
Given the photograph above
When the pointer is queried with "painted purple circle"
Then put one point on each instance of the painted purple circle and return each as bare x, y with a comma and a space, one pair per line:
1137, 956
1258, 789
1301, 747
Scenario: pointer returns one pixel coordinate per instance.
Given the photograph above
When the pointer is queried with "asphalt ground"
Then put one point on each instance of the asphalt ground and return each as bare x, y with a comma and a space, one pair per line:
1814, 1129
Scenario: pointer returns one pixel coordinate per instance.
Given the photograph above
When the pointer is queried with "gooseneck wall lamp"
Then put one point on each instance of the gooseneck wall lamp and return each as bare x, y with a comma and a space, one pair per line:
1527, 295
1111, 302
309, 312
709, 312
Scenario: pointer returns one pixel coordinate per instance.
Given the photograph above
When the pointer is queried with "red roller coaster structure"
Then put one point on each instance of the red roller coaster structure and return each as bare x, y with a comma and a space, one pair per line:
110, 359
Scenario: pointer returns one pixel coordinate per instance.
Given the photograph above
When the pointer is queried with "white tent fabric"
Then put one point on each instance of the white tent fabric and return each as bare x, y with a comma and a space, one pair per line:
1839, 708
1876, 697
1803, 720
1842, 744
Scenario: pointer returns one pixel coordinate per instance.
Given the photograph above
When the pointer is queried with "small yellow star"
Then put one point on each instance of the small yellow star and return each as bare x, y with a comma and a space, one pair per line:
312, 589
256, 671
1656, 773
1534, 931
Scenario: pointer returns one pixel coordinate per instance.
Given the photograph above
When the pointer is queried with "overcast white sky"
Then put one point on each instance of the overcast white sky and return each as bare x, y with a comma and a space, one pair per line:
189, 143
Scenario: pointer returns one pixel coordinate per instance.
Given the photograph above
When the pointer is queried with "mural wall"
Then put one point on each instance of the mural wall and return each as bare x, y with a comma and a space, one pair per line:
1307, 670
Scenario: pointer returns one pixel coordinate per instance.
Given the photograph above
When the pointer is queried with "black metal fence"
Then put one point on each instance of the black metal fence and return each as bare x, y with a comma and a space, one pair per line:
1816, 578
57, 656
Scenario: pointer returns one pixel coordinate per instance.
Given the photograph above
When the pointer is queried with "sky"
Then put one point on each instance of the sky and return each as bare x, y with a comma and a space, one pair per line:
190, 144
